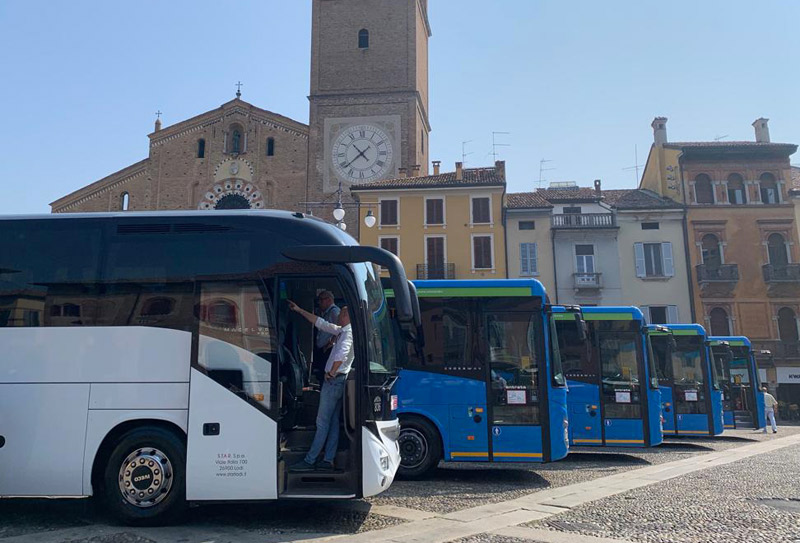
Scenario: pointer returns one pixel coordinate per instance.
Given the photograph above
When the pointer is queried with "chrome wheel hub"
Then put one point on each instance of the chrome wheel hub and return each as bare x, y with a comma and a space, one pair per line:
145, 477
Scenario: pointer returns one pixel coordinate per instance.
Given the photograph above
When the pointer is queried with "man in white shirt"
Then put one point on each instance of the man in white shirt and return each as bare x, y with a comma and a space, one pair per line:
323, 341
330, 403
770, 405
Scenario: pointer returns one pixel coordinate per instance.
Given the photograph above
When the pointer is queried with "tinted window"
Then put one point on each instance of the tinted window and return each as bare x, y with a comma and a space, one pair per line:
621, 381
448, 329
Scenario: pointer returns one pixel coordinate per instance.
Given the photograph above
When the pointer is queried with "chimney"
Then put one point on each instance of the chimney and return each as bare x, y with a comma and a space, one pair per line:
437, 165
762, 130
459, 171
659, 125
416, 169
402, 172
500, 169
598, 188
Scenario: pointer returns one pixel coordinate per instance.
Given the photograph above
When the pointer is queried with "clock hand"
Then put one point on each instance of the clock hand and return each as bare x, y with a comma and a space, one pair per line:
361, 154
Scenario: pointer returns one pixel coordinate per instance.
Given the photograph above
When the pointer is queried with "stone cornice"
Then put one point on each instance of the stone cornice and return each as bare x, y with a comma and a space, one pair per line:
106, 184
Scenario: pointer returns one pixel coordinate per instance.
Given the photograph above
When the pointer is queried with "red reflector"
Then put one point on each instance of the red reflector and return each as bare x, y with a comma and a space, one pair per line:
394, 403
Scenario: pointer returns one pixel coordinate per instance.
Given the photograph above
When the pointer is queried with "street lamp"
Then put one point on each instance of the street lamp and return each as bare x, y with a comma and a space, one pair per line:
370, 219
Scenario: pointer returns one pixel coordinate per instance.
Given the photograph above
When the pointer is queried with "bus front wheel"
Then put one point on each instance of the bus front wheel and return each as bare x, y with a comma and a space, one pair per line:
420, 448
144, 478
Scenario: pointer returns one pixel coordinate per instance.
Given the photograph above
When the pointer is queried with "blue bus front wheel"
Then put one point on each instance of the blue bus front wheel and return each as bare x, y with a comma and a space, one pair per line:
420, 447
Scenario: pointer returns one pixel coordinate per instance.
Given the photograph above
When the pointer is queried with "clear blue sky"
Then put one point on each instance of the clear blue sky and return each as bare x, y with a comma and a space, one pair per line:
575, 82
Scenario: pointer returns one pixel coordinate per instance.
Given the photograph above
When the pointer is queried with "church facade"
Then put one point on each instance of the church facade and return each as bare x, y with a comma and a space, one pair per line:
368, 117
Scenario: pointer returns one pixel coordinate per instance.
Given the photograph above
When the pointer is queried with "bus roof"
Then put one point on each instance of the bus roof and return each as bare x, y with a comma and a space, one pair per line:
686, 329
294, 225
434, 288
612, 313
733, 341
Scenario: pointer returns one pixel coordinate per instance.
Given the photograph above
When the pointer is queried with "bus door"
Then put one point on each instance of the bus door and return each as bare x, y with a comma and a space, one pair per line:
691, 386
743, 386
623, 388
662, 345
515, 345
760, 420
722, 357
583, 374
233, 428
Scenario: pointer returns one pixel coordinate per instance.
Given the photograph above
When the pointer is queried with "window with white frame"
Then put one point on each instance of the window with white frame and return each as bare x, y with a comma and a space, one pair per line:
434, 211
661, 314
654, 259
389, 212
528, 259
391, 244
481, 210
482, 252
584, 259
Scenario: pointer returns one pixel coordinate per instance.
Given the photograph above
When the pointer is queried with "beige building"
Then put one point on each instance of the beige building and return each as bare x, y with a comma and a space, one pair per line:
442, 226
601, 247
368, 111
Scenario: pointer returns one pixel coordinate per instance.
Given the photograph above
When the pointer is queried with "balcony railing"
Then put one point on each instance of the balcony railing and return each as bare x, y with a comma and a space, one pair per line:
587, 280
785, 273
724, 273
436, 271
779, 349
584, 220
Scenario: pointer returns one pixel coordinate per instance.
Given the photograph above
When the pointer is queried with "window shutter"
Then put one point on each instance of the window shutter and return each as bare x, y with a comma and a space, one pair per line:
534, 265
638, 249
645, 309
672, 314
523, 259
669, 265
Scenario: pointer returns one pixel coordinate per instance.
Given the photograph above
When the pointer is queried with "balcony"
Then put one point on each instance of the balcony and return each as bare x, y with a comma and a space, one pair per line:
436, 271
718, 280
587, 281
780, 350
782, 280
575, 221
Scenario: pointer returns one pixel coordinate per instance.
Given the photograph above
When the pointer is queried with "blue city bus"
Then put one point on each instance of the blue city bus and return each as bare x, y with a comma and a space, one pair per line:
484, 384
691, 394
742, 402
613, 399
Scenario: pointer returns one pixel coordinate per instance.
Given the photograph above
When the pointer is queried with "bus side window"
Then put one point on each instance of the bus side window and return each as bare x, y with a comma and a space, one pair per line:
448, 333
237, 339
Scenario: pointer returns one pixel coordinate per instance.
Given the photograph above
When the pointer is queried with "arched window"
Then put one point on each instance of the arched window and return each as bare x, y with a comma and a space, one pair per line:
363, 38
124, 201
720, 324
776, 247
737, 193
221, 313
703, 190
270, 146
712, 255
770, 194
787, 324
201, 148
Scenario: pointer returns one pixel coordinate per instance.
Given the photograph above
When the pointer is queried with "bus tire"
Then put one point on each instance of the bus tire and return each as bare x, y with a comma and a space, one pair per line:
420, 448
144, 479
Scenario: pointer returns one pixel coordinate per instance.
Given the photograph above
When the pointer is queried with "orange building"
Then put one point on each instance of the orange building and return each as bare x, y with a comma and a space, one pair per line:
741, 240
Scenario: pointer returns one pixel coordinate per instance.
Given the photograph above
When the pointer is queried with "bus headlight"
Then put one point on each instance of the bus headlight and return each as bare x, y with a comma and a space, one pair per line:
384, 462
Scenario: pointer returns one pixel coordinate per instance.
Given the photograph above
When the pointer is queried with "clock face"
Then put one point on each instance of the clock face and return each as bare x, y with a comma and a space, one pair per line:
362, 153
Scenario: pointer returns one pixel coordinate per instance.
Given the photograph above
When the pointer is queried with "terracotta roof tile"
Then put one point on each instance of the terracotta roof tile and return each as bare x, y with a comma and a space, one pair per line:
527, 200
472, 177
574, 194
620, 199
638, 199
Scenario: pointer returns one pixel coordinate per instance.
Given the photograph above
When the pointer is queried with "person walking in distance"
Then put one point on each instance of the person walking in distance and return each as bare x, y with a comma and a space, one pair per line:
323, 341
337, 367
770, 406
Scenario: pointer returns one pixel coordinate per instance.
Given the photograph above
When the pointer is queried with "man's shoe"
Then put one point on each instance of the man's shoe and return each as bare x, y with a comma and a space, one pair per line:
774, 431
325, 465
302, 466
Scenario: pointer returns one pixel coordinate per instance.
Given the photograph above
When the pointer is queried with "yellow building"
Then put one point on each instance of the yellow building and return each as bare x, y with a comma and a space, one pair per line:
442, 226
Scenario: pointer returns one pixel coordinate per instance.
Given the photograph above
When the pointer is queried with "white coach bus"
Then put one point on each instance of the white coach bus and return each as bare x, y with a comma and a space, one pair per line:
151, 358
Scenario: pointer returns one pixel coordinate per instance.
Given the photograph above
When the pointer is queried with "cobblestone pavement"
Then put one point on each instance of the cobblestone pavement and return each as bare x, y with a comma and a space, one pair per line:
453, 487
752, 500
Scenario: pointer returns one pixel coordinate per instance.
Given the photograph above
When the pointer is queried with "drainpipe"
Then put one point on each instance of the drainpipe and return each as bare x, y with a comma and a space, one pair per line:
687, 254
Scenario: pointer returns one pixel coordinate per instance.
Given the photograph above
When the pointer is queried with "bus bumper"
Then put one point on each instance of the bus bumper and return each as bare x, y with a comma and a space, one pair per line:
381, 457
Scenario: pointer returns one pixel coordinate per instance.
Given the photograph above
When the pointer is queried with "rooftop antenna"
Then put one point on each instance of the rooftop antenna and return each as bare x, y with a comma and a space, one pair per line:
543, 169
495, 145
720, 137
464, 153
636, 165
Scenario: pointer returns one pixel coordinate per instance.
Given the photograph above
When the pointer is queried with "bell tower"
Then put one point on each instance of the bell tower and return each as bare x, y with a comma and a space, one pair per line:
369, 92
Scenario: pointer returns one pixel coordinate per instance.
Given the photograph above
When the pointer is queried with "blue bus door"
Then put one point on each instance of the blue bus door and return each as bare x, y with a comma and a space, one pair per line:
514, 394
622, 399
585, 420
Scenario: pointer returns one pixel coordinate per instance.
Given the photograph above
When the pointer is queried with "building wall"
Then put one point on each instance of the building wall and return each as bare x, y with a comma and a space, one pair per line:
457, 231
541, 236
662, 173
606, 263
650, 291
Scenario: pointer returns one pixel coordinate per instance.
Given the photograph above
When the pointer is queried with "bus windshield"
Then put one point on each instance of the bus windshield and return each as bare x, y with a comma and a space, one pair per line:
739, 365
687, 360
381, 333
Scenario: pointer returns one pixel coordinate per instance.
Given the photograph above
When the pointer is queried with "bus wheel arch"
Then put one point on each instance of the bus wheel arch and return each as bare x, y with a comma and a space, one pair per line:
421, 446
156, 444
